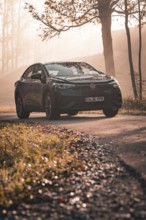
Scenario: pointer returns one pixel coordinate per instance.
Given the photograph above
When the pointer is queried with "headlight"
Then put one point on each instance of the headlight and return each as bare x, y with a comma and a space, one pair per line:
115, 83
63, 85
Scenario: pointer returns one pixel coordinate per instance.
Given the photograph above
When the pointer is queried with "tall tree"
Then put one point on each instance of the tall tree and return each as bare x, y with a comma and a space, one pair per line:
105, 12
7, 36
140, 50
134, 10
132, 73
10, 34
4, 34
60, 16
18, 34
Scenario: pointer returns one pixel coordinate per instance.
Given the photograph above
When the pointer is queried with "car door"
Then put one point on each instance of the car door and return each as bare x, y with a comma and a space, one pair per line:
26, 87
37, 87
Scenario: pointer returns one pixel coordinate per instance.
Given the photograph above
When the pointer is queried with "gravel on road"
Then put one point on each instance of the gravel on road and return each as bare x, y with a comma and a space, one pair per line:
106, 188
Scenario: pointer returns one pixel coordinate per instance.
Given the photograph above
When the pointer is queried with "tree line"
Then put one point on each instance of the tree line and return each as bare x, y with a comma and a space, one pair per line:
62, 15
10, 12
16, 45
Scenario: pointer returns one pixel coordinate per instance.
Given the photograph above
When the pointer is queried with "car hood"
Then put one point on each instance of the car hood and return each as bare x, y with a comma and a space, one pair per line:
86, 79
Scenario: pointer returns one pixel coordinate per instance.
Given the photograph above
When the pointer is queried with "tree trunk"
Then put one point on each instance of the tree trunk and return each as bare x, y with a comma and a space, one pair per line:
3, 37
130, 53
12, 25
18, 35
139, 54
105, 18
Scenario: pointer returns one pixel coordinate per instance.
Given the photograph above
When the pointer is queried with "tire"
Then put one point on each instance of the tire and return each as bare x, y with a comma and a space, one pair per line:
21, 112
49, 106
71, 113
110, 112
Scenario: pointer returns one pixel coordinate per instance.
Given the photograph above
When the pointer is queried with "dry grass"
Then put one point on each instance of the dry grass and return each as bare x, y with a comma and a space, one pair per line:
5, 109
29, 158
133, 107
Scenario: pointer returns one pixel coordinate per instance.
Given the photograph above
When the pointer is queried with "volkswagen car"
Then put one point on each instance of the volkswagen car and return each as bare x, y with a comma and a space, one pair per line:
66, 88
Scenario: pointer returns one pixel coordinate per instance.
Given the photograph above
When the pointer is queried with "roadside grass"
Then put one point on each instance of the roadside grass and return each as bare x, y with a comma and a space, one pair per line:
133, 107
31, 157
5, 109
130, 106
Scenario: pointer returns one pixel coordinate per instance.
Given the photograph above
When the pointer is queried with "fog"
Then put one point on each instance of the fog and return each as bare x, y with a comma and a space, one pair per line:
25, 47
21, 46
74, 43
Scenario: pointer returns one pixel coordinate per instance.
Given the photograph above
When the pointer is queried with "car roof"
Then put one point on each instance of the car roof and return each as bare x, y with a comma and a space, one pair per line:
58, 62
54, 62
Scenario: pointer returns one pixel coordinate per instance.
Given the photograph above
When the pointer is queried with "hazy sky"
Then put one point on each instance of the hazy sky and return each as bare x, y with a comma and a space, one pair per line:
77, 42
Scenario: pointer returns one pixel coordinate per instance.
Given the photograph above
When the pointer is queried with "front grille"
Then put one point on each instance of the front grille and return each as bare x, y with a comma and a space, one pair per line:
85, 90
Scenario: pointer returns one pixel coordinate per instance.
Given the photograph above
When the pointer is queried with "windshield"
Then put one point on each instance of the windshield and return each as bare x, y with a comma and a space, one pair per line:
71, 69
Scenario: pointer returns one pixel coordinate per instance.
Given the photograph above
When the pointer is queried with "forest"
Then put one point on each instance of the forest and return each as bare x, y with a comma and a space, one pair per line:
22, 21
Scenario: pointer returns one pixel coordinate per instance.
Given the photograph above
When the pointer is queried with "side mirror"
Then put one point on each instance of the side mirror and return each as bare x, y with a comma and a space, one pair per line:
36, 76
39, 76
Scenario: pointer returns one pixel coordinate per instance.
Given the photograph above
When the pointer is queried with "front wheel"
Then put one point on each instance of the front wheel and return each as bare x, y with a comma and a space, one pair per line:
110, 112
21, 112
49, 106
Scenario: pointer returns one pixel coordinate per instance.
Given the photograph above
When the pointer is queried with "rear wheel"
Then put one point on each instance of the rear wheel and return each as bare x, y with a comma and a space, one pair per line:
21, 112
49, 106
110, 112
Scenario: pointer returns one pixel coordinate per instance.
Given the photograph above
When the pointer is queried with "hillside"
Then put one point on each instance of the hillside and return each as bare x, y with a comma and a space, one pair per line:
97, 60
121, 58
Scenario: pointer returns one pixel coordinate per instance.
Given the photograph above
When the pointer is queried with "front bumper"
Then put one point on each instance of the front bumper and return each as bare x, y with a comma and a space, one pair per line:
75, 99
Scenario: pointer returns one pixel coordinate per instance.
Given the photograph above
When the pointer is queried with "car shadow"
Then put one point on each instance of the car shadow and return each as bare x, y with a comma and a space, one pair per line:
41, 118
65, 119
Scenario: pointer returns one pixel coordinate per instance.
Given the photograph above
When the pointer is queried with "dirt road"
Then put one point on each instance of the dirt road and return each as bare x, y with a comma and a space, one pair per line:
126, 134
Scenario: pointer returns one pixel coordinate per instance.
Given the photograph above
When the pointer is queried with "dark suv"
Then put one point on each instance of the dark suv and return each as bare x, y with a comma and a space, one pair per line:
66, 87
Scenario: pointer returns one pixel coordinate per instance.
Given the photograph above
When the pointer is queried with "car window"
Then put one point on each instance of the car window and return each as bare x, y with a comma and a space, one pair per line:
87, 69
59, 70
28, 73
62, 69
38, 69
70, 69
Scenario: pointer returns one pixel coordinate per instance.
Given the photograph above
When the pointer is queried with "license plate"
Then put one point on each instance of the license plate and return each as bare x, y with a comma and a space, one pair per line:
94, 99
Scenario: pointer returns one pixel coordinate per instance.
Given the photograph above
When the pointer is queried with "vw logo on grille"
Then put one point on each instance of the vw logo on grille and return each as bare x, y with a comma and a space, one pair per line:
92, 86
